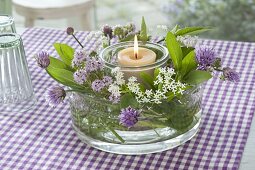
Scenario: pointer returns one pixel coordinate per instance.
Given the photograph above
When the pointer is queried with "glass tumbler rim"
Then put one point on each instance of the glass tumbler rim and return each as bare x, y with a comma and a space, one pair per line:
8, 40
6, 20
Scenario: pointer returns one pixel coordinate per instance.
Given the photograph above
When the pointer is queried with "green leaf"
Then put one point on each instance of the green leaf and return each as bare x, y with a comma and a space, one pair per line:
128, 38
191, 30
189, 63
174, 49
128, 100
175, 29
65, 52
54, 62
152, 123
63, 76
170, 95
197, 77
147, 79
156, 73
186, 50
143, 33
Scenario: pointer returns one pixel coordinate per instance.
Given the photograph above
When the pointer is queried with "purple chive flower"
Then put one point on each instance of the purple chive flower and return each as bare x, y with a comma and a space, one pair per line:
97, 85
70, 30
43, 59
107, 30
93, 64
202, 67
80, 76
205, 56
230, 74
55, 95
129, 117
79, 58
107, 80
114, 99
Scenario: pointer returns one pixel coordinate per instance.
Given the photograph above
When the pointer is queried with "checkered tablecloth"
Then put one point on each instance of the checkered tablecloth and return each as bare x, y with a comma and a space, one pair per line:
43, 138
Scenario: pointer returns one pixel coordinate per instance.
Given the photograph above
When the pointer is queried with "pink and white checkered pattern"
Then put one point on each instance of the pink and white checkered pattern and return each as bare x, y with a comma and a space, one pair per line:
42, 138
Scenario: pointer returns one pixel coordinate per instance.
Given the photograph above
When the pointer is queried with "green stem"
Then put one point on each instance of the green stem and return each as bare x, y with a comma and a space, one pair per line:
109, 40
82, 91
217, 69
116, 134
159, 41
152, 111
156, 132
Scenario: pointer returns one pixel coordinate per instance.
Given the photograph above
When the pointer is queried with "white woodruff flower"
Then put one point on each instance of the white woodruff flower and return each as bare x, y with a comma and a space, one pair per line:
148, 93
119, 76
145, 100
188, 40
114, 89
132, 79
133, 87
163, 27
159, 80
164, 79
115, 70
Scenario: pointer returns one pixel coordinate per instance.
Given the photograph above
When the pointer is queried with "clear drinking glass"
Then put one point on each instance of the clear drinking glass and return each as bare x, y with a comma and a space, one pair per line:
16, 91
7, 24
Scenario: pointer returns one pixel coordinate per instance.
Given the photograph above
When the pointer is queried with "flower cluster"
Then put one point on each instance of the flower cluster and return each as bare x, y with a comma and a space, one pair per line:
163, 27
118, 31
115, 87
206, 56
79, 59
42, 59
163, 79
97, 85
80, 76
124, 31
230, 74
86, 66
207, 61
129, 117
188, 40
55, 95
107, 30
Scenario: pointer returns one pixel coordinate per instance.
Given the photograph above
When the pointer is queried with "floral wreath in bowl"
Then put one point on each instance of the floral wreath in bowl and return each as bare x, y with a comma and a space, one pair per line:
189, 64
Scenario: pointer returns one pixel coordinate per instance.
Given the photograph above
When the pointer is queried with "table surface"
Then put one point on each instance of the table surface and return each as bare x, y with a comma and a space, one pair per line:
42, 138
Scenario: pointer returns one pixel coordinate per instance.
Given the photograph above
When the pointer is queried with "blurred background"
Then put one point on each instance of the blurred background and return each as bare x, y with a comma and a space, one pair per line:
232, 19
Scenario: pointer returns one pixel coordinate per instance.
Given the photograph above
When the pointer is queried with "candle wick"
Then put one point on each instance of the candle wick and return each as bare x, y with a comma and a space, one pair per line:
135, 55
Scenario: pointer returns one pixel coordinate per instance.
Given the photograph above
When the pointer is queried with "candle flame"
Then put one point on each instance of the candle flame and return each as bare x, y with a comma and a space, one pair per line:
136, 47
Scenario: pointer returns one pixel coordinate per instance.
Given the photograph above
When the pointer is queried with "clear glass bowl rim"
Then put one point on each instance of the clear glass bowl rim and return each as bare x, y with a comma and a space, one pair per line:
158, 63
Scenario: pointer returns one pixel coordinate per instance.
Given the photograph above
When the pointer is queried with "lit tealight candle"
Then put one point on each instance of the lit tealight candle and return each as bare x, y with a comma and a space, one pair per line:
135, 57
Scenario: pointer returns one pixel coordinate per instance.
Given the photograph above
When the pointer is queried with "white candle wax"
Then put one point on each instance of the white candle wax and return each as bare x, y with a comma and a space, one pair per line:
128, 58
